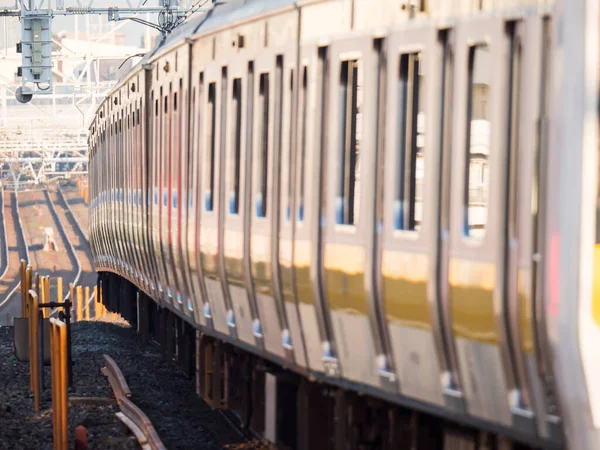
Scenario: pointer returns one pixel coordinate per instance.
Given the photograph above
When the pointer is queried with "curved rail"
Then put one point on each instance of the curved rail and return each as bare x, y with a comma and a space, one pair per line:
79, 227
78, 230
20, 237
130, 414
63, 235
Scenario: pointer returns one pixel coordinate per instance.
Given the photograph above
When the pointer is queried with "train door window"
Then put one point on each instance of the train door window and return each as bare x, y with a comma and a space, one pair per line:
263, 146
278, 124
408, 200
193, 130
236, 146
155, 147
174, 150
290, 148
182, 179
166, 144
513, 182
348, 182
303, 112
211, 137
478, 142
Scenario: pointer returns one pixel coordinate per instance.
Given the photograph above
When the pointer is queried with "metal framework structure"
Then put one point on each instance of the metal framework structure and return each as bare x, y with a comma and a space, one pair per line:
36, 16
46, 138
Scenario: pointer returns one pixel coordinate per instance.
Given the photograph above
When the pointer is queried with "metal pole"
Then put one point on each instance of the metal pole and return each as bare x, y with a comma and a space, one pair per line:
69, 355
41, 348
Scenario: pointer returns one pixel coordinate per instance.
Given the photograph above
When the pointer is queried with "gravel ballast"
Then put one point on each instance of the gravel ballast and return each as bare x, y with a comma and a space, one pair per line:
167, 397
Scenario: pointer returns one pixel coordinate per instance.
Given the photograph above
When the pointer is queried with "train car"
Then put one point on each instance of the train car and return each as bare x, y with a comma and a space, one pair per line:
361, 221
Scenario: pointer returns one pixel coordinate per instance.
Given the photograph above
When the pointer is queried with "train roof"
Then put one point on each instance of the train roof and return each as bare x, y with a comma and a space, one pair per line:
220, 15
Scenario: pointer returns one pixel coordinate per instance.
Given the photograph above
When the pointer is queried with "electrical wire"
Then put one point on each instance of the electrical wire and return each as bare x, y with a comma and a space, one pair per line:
195, 7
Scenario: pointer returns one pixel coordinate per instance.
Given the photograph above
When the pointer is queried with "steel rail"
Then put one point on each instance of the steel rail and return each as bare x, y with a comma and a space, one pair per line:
78, 230
68, 244
20, 231
130, 414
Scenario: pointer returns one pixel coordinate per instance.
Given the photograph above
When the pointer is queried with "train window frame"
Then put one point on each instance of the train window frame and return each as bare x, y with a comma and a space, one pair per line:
235, 148
211, 138
291, 141
303, 98
470, 156
410, 100
262, 153
347, 214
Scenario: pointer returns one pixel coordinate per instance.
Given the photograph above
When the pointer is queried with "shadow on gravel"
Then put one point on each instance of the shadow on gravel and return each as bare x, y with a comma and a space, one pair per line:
181, 418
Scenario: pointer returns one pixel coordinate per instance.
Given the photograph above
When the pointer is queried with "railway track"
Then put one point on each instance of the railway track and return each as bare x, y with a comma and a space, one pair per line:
78, 207
37, 214
14, 242
132, 416
77, 238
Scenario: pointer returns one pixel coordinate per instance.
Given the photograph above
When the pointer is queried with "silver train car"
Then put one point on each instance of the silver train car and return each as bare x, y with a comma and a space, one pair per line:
393, 199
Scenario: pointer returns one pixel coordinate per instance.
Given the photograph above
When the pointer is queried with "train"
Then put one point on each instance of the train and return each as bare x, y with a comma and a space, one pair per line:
365, 221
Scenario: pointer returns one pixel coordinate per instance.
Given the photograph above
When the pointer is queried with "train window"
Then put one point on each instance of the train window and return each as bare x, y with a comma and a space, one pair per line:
350, 100
302, 133
408, 200
175, 101
478, 142
263, 147
236, 139
514, 137
278, 112
211, 114
290, 147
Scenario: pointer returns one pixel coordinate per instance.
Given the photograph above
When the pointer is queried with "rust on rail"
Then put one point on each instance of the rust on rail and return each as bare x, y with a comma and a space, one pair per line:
132, 416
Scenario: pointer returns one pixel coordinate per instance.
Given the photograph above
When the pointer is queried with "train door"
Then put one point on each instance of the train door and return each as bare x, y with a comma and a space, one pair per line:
268, 73
476, 266
308, 280
119, 179
177, 196
293, 340
409, 165
198, 148
157, 175
524, 231
182, 198
129, 180
168, 178
238, 150
350, 209
149, 127
114, 223
211, 235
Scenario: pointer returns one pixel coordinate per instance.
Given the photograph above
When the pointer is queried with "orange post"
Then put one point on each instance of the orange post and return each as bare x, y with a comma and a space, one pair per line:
28, 278
87, 303
23, 276
53, 377
59, 289
46, 296
34, 349
72, 298
79, 303
97, 304
58, 345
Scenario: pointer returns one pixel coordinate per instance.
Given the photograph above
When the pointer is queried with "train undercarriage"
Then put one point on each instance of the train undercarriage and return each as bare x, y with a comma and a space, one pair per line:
282, 408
